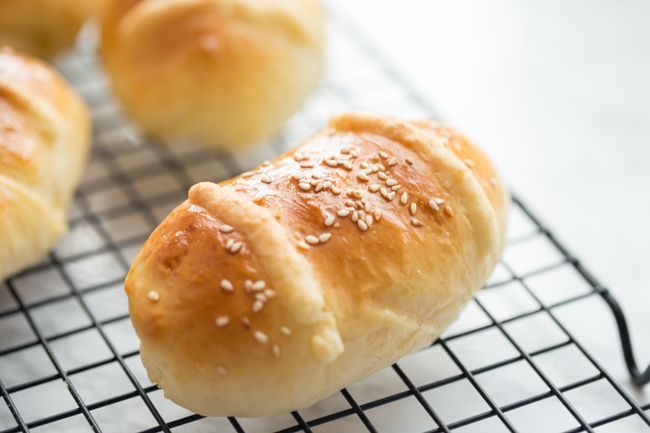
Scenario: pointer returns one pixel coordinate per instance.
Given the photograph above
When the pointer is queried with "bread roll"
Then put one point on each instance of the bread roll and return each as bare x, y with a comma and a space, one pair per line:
225, 73
43, 28
266, 293
44, 140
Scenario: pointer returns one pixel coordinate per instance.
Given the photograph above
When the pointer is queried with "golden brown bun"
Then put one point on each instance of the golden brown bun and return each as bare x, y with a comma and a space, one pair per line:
225, 73
43, 28
353, 304
44, 140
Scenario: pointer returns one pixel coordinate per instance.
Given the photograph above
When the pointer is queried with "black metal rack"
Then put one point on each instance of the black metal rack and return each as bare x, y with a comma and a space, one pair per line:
69, 358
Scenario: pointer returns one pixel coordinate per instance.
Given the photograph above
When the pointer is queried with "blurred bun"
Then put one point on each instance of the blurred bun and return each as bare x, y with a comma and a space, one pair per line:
225, 73
44, 142
43, 28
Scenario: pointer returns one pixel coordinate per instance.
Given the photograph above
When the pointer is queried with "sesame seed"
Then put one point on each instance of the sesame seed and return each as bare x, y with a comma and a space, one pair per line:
362, 225
258, 285
347, 165
356, 193
396, 187
363, 176
377, 215
285, 330
449, 211
345, 149
246, 322
307, 164
222, 321
383, 191
225, 228
433, 205
248, 286
366, 170
375, 187
298, 156
343, 213
413, 208
367, 207
327, 184
331, 162
222, 370
416, 223
247, 174
257, 306
383, 154
409, 160
439, 200
381, 167
258, 197
336, 190
391, 182
324, 237
316, 176
266, 179
493, 181
369, 220
261, 297
362, 215
297, 176
355, 216
304, 186
229, 243
236, 247
315, 182
392, 162
278, 211
375, 168
469, 163
153, 296
319, 187
391, 196
329, 221
456, 146
358, 205
276, 350
270, 293
381, 175
226, 285
350, 203
353, 153
444, 140
364, 165
404, 198
312, 240
260, 336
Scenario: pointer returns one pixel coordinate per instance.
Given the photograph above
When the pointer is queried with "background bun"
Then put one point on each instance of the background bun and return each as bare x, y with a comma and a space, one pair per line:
226, 73
270, 291
43, 28
44, 143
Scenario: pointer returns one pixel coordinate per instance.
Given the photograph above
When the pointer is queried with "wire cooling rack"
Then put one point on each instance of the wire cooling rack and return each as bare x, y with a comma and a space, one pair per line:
69, 357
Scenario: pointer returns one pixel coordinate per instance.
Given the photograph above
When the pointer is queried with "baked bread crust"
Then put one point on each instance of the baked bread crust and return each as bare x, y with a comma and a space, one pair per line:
44, 141
226, 73
43, 28
340, 307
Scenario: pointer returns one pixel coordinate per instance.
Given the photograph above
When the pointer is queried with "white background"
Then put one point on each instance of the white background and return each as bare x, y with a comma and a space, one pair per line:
558, 93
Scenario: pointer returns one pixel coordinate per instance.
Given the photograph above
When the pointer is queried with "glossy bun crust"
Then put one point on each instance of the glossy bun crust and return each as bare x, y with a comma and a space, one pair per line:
226, 73
343, 296
43, 28
44, 141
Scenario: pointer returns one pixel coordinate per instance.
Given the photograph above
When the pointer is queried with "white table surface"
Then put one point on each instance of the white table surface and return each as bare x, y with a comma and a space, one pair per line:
558, 93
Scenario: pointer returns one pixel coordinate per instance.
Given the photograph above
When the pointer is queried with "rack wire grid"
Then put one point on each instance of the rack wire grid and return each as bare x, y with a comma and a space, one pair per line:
69, 357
